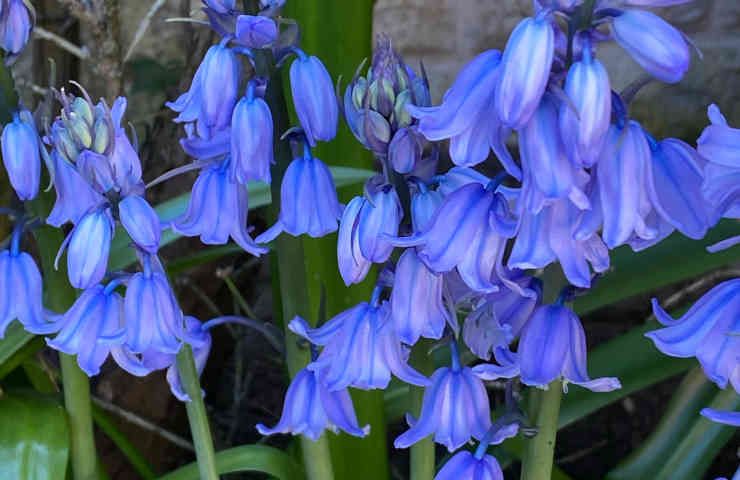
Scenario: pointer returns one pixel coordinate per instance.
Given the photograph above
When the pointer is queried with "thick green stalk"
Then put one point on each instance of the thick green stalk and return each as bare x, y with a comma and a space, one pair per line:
422, 453
199, 427
77, 403
544, 407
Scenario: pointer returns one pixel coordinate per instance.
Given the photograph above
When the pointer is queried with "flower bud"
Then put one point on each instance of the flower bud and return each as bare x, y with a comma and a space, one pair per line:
102, 136
379, 218
21, 156
376, 130
405, 150
16, 23
81, 108
80, 130
141, 222
251, 140
256, 31
89, 245
314, 98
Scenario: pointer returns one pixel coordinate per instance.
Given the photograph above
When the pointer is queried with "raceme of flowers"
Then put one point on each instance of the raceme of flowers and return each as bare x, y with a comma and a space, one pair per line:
587, 178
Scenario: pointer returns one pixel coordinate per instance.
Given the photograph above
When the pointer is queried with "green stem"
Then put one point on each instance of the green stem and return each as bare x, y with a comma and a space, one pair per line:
422, 453
199, 427
544, 406
77, 402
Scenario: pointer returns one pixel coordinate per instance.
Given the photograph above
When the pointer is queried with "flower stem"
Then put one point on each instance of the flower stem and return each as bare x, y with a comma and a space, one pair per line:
77, 403
199, 427
544, 408
422, 452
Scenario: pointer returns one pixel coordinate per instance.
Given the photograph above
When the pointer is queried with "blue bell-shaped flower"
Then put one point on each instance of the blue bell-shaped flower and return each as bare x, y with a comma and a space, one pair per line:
308, 200
91, 326
21, 155
141, 222
251, 139
353, 267
221, 6
525, 70
405, 150
256, 31
719, 145
21, 292
200, 341
314, 98
424, 204
466, 465
310, 408
417, 308
708, 331
378, 220
16, 23
75, 196
124, 159
88, 249
653, 43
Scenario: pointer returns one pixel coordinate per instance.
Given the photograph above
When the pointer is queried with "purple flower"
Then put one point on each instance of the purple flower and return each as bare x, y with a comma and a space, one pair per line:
16, 22
553, 346
21, 292
310, 408
221, 6
200, 341
123, 159
256, 31
74, 195
218, 210
424, 204
314, 98
455, 408
719, 144
308, 200
708, 331
89, 246
405, 150
525, 70
213, 92
90, 326
96, 170
141, 222
652, 42
361, 349
417, 308
466, 465
457, 177
251, 139
379, 218
728, 418
153, 317
584, 120
353, 267
21, 155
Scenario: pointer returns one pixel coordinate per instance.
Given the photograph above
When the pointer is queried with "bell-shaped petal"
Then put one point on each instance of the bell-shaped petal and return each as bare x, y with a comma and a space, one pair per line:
75, 196
308, 201
455, 408
417, 308
379, 220
200, 342
251, 140
310, 408
719, 143
353, 267
96, 170
708, 330
141, 222
584, 120
314, 98
256, 31
21, 293
153, 317
218, 210
553, 346
466, 465
674, 186
89, 246
16, 23
21, 155
457, 177
525, 70
361, 349
718, 416
653, 43
90, 326
405, 150
424, 205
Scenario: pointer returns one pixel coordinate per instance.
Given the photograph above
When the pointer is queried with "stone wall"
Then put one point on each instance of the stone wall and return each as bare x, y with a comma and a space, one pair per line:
447, 33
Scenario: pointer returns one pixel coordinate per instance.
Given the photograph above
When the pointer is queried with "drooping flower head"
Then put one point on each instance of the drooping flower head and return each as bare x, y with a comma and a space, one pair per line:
314, 98
17, 18
251, 139
466, 465
21, 155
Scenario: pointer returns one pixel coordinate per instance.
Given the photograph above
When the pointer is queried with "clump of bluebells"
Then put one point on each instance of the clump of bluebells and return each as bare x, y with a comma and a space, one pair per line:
460, 253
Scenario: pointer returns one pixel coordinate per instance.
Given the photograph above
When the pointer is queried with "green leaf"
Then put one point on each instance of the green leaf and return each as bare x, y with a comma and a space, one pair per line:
246, 458
34, 440
25, 349
695, 451
15, 338
690, 397
674, 259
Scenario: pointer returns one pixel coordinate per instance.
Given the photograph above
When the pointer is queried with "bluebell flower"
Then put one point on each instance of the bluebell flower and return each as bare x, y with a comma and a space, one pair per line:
16, 22
417, 307
213, 92
553, 346
405, 150
457, 177
21, 292
141, 222
455, 408
378, 220
88, 249
251, 139
361, 349
314, 98
123, 158
218, 145
708, 331
256, 31
719, 145
308, 200
91, 326
221, 6
718, 416
653, 43
200, 341
424, 204
74, 195
584, 120
153, 317
96, 170
353, 267
525, 70
310, 408
465, 110
466, 465
217, 210
21, 155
